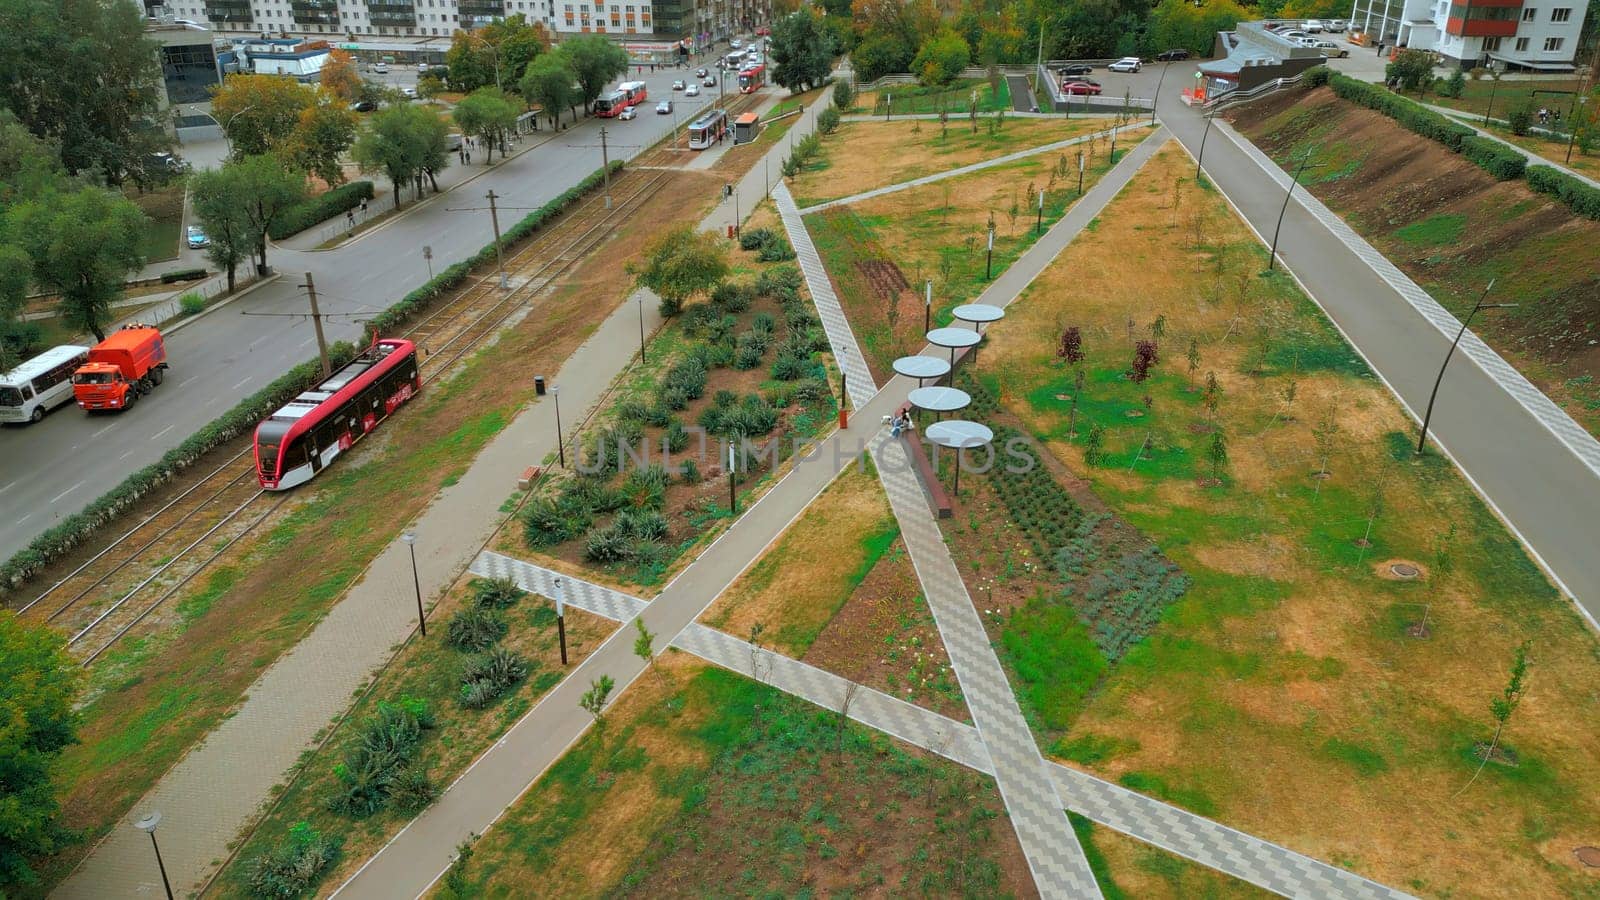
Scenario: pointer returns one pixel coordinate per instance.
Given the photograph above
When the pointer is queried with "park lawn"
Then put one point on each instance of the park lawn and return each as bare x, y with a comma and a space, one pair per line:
879, 252
1508, 94
153, 696
902, 150
690, 502
1552, 149
1129, 868
704, 782
956, 97
1299, 690
426, 670
163, 209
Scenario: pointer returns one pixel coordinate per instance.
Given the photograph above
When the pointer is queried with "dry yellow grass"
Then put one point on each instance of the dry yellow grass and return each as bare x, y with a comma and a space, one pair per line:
1283, 687
809, 572
866, 155
1140, 870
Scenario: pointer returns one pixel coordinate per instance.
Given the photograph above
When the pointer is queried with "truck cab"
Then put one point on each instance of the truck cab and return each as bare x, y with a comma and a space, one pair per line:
128, 363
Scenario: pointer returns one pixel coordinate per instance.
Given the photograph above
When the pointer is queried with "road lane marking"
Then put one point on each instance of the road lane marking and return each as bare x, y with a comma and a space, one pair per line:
163, 431
187, 380
126, 455
57, 498
242, 383
25, 518
259, 340
307, 340
103, 430
9, 486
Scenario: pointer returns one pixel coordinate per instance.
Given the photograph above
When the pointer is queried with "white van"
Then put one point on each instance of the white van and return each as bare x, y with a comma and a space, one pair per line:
40, 384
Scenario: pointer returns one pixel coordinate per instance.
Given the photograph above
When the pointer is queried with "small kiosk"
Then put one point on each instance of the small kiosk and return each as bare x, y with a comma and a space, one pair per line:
745, 128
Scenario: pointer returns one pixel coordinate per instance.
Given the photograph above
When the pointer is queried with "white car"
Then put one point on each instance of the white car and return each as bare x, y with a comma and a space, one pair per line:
1336, 25
678, 85
1313, 26
631, 112
1126, 64
409, 92
379, 68
692, 90
736, 43
1329, 48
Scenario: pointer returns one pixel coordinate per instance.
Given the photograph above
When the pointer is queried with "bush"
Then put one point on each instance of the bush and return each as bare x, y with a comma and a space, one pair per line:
753, 239
676, 438
546, 523
642, 524
293, 867
731, 296
487, 677
319, 209
812, 391
1578, 196
182, 275
474, 629
1411, 116
393, 730
1454, 85
364, 780
776, 251
780, 282
412, 790
689, 472
1520, 119
191, 304
606, 546
828, 120
844, 96
496, 593
1318, 77
1494, 157
790, 367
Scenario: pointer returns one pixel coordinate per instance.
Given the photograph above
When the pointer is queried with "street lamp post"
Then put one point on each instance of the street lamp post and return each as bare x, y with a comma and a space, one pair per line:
1494, 88
641, 328
927, 307
561, 444
733, 467
988, 265
1200, 159
1422, 439
1157, 98
561, 618
148, 826
1305, 163
410, 540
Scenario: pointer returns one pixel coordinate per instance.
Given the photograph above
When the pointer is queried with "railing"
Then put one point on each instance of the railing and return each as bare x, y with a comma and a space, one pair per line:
1231, 97
968, 72
1061, 101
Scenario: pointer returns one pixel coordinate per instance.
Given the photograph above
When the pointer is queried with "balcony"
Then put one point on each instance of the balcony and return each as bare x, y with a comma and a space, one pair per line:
234, 11
392, 13
1484, 18
315, 12
482, 10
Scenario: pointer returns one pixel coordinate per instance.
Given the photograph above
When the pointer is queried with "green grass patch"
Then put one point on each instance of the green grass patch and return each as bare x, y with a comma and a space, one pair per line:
1194, 799
1056, 662
1439, 230
1365, 760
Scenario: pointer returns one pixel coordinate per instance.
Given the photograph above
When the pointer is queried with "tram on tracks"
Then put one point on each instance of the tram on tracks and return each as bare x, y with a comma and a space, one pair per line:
708, 130
295, 443
752, 79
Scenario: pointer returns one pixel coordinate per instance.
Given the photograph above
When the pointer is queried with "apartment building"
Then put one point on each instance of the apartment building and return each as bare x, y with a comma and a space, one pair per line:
1533, 35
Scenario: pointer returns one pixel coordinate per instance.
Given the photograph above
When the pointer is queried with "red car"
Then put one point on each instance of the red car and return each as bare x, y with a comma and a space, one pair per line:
763, 30
1080, 87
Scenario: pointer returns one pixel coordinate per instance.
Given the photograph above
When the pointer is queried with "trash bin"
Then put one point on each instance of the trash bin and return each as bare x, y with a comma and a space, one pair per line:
730, 232
538, 385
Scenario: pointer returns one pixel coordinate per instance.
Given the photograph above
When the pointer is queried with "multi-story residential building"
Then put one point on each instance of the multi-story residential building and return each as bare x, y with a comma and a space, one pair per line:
1538, 35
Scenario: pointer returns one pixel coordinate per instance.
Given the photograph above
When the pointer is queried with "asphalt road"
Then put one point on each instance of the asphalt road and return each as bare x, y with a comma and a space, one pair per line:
56, 467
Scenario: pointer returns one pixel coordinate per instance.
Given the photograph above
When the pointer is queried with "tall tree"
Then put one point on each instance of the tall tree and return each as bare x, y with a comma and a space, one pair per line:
259, 113
941, 57
82, 74
488, 114
267, 189
218, 199
405, 143
83, 244
325, 131
551, 84
596, 60
802, 51
339, 76
880, 53
39, 686
680, 263
496, 54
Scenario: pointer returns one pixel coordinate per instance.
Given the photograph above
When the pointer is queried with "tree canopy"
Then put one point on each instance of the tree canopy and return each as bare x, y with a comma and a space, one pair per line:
486, 113
596, 60
878, 54
503, 48
339, 76
259, 113
83, 75
218, 197
404, 142
267, 190
802, 51
325, 130
680, 263
941, 57
551, 84
39, 684
83, 243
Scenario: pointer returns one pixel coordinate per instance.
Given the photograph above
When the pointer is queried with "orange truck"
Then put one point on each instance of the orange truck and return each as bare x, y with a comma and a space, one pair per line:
128, 363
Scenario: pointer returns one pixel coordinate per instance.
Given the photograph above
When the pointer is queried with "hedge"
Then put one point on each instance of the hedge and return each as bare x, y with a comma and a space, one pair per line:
79, 527
182, 275
320, 209
1577, 195
1412, 116
1494, 157
419, 299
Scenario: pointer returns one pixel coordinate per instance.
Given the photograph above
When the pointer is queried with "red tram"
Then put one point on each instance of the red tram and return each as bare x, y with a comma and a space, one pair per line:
299, 440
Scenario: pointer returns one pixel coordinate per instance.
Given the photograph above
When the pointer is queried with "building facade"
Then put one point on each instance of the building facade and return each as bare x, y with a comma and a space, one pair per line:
1536, 35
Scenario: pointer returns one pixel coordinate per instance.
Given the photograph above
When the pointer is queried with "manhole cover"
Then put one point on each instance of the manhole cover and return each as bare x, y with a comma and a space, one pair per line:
1404, 570
1589, 856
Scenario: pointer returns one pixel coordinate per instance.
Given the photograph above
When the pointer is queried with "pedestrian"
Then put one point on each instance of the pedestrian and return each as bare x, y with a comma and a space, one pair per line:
469, 159
363, 207
350, 218
897, 424
1379, 45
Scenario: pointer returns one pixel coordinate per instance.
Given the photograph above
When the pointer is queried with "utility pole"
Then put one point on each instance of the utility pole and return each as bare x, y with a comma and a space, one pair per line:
499, 253
316, 323
605, 167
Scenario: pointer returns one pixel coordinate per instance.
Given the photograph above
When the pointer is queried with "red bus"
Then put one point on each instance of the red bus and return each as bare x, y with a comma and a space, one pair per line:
307, 434
636, 91
610, 105
752, 79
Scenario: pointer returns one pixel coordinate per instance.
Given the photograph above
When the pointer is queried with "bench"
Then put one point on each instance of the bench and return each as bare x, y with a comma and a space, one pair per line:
930, 482
529, 476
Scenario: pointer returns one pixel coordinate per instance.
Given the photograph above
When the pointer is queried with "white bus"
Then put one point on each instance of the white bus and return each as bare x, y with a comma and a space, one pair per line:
40, 384
708, 130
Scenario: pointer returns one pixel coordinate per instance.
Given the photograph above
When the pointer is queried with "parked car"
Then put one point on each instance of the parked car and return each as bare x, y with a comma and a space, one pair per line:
1173, 55
678, 85
197, 237
692, 90
1329, 48
363, 106
1312, 26
710, 81
1126, 64
631, 112
422, 68
1086, 88
736, 43
1335, 25
763, 30
664, 108
379, 68
700, 72
409, 92
1292, 36
1073, 70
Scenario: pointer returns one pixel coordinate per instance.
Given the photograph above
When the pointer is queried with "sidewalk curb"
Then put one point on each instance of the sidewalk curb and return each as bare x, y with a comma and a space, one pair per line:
260, 282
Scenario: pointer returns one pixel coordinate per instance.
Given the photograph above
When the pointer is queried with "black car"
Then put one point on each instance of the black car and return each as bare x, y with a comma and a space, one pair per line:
1075, 70
1172, 55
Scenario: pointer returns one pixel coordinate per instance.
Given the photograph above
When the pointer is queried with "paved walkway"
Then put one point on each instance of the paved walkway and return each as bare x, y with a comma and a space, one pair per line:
969, 169
1471, 120
846, 353
1262, 863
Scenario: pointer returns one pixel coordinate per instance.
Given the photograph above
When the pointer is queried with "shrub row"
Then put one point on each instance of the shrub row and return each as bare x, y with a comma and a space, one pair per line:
295, 865
319, 209
1494, 157
78, 527
182, 275
377, 767
1578, 196
1412, 116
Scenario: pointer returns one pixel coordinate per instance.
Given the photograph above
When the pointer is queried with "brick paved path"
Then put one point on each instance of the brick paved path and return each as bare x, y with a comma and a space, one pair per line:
846, 352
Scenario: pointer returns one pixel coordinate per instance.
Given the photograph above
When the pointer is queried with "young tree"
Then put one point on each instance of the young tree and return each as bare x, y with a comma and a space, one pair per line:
268, 191
259, 113
1324, 433
325, 131
1194, 360
879, 54
404, 142
802, 52
1144, 356
39, 686
680, 263
1217, 453
596, 60
644, 644
1094, 444
218, 201
496, 54
1501, 708
488, 114
340, 78
851, 688
594, 699
1411, 68
1212, 398
941, 57
82, 244
1077, 392
844, 96
550, 84
1071, 348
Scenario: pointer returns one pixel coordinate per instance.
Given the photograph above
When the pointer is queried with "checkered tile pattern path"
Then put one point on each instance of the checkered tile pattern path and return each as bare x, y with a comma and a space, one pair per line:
584, 595
1582, 444
845, 351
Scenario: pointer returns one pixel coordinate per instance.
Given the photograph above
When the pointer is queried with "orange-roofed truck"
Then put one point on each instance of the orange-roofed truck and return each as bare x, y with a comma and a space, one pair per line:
128, 363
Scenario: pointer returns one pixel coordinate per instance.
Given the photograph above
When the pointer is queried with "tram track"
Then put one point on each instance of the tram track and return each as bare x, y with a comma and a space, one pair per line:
110, 594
